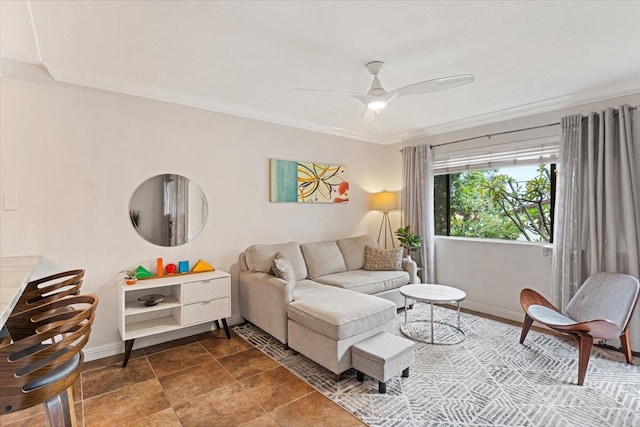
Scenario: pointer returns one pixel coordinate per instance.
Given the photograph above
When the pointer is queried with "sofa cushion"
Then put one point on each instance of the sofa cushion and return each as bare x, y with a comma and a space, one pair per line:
377, 259
338, 313
283, 269
260, 257
352, 250
322, 258
367, 282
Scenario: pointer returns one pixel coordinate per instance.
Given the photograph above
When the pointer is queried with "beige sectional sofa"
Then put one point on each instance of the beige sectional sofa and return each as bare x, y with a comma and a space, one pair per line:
332, 303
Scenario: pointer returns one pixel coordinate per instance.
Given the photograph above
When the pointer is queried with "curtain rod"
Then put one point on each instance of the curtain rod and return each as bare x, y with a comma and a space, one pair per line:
489, 135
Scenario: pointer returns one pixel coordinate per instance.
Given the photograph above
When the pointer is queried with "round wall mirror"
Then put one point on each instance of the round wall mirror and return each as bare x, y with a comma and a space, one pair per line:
168, 210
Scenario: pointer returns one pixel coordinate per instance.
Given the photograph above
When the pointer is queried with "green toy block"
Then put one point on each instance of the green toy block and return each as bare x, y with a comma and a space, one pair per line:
143, 273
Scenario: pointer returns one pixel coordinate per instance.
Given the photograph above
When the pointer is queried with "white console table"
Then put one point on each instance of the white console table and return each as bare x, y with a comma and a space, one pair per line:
189, 299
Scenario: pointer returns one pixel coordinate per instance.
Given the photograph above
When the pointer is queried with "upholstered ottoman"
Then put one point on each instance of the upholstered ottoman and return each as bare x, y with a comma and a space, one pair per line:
324, 322
381, 357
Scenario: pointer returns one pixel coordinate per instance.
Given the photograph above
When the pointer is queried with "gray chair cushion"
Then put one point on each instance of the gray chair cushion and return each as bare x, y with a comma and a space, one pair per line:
608, 296
352, 250
550, 317
367, 282
260, 258
338, 313
322, 258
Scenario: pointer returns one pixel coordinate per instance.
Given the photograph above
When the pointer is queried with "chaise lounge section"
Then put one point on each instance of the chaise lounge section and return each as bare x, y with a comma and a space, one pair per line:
331, 302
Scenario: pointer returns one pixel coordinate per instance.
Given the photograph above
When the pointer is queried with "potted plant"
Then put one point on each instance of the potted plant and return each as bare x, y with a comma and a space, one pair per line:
411, 242
130, 277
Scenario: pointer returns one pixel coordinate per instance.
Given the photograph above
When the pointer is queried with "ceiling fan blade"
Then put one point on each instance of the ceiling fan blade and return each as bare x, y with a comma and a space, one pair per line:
370, 115
434, 85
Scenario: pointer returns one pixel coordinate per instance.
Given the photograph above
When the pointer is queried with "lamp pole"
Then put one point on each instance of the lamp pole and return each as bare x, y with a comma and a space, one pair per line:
386, 224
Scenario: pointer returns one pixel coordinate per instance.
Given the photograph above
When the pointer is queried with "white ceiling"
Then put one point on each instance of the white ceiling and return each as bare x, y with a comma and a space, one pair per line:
246, 58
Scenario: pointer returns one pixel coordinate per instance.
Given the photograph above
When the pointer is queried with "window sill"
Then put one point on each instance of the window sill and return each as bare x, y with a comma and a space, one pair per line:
544, 245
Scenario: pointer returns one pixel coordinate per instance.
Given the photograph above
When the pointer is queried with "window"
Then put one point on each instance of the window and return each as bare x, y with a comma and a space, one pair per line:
513, 203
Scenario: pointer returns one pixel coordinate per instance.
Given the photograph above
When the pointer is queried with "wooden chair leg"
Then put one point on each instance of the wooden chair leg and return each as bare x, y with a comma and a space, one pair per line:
626, 346
585, 342
59, 411
526, 325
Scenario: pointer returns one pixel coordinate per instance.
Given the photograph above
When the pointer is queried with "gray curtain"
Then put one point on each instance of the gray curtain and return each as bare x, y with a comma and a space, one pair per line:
597, 215
417, 203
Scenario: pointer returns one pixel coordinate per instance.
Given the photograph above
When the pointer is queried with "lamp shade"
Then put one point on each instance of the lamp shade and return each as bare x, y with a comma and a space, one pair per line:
384, 201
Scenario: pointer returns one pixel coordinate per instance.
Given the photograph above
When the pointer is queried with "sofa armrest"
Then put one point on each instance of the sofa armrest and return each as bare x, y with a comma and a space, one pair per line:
411, 267
263, 301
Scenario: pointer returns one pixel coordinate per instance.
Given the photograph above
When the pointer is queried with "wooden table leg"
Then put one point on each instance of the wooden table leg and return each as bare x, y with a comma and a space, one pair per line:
128, 346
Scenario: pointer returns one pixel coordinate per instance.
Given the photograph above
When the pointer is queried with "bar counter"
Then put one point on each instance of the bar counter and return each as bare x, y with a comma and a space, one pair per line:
15, 273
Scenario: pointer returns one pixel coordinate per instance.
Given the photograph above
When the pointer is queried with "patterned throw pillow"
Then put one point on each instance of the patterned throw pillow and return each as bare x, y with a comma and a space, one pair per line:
377, 259
283, 269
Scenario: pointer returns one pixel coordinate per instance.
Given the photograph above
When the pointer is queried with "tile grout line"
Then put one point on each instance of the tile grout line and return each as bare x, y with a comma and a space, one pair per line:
297, 376
120, 388
238, 382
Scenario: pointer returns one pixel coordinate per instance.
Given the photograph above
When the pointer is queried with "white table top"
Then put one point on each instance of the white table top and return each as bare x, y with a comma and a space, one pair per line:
15, 273
433, 293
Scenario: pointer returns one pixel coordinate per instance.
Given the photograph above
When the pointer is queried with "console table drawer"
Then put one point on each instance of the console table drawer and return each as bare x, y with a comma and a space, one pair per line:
205, 311
205, 290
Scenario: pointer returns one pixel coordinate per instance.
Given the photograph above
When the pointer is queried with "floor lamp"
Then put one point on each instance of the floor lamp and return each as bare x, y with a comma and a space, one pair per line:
385, 201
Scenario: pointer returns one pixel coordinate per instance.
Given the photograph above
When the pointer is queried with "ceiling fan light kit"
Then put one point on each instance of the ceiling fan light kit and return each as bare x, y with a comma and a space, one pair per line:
378, 98
377, 105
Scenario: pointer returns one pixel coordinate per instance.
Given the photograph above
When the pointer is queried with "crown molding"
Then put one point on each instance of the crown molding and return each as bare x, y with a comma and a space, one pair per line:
126, 87
524, 110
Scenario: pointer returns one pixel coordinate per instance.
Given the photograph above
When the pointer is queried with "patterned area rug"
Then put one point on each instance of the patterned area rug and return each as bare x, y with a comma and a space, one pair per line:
488, 379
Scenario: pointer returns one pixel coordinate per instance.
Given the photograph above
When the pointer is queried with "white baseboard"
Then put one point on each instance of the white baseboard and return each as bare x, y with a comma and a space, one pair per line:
111, 349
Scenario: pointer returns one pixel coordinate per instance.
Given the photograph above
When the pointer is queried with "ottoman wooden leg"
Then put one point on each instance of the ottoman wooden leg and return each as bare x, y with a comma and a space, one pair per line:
382, 387
405, 373
359, 376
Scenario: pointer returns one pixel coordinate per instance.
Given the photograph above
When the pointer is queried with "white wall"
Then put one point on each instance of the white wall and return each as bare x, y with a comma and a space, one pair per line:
493, 272
74, 156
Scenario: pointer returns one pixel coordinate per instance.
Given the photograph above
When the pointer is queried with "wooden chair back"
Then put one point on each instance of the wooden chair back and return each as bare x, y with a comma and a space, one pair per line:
38, 293
38, 368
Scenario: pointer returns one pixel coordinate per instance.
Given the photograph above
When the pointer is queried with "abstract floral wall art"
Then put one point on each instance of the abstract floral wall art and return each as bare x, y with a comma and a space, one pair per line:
307, 182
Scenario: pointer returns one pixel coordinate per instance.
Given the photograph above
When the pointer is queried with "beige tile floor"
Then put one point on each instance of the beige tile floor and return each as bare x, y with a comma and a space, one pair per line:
203, 380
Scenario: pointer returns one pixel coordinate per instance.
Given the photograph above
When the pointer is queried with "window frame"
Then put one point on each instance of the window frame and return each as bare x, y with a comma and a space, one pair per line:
552, 202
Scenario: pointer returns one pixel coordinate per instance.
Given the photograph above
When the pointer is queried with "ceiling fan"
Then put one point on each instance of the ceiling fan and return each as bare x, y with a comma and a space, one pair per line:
377, 98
